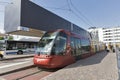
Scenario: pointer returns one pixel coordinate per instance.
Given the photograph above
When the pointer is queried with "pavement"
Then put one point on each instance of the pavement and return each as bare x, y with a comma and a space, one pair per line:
22, 65
102, 66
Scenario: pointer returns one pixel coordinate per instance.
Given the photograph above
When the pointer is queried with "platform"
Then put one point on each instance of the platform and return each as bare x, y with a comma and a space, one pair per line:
102, 66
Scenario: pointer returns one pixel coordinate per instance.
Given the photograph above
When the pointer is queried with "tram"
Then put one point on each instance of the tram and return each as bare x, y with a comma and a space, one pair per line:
60, 48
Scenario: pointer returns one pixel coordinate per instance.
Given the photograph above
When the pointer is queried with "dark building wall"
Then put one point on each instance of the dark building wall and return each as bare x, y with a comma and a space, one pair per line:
28, 14
12, 16
35, 16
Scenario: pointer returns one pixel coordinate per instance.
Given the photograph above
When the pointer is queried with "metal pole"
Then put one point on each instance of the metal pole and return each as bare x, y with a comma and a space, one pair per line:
6, 38
71, 26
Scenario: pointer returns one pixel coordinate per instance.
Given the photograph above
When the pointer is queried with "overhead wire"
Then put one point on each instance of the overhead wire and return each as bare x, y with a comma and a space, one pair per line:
76, 14
84, 19
80, 17
68, 5
57, 8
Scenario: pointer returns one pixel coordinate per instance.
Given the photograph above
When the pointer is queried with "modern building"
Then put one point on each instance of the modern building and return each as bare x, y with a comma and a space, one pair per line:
23, 16
96, 37
109, 36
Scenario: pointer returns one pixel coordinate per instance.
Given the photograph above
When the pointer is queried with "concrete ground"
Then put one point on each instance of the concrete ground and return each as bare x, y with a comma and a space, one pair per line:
102, 66
13, 65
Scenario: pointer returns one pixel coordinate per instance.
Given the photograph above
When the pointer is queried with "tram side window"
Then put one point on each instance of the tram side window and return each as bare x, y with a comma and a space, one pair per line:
76, 47
79, 46
73, 46
59, 47
85, 44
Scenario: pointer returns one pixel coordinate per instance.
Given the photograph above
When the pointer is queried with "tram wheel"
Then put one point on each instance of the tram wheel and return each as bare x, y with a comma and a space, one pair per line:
20, 52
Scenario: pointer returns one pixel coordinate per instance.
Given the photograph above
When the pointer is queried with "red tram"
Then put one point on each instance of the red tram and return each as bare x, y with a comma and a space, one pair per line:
59, 48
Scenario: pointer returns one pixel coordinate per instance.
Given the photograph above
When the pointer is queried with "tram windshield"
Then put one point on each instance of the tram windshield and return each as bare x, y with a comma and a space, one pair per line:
53, 43
46, 43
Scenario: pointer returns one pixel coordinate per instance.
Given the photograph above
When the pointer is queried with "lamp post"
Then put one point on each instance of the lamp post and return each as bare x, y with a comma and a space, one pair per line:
6, 38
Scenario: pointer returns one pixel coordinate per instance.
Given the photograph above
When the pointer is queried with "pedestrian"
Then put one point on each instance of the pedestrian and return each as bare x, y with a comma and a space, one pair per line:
106, 49
113, 50
1, 54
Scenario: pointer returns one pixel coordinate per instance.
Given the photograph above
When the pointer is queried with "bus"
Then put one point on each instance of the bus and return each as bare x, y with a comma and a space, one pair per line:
17, 47
2, 48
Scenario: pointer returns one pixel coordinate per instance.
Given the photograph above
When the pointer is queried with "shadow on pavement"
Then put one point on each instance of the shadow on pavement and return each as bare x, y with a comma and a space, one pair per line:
94, 59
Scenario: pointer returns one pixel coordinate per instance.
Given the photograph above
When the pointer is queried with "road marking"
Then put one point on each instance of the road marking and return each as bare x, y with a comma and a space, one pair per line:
29, 59
13, 64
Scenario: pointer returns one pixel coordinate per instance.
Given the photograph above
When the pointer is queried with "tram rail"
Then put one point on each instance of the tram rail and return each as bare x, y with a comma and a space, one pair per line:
28, 74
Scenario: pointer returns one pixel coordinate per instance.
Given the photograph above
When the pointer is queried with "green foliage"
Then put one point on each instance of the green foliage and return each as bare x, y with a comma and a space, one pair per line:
1, 38
10, 38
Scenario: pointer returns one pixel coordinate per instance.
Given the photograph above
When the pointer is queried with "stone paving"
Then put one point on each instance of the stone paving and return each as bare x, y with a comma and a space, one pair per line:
102, 66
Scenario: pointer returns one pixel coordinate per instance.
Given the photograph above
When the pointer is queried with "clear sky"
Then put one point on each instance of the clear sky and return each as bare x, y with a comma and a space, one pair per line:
84, 13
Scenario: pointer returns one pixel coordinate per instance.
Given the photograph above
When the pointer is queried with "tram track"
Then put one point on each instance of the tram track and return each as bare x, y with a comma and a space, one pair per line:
13, 65
28, 75
29, 72
32, 73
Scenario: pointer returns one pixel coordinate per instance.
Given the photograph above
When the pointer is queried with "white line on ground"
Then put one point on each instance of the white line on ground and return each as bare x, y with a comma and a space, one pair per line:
13, 64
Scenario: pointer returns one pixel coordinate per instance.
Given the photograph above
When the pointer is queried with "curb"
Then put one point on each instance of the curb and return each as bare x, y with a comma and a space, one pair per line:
16, 58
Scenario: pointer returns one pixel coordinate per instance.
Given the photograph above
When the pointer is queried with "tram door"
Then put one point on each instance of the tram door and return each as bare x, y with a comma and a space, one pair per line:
76, 47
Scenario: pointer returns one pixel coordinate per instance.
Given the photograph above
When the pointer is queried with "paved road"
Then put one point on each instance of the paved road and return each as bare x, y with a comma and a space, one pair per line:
118, 59
102, 66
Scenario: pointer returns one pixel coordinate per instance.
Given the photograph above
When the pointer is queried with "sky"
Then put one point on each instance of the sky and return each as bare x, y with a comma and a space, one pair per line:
84, 13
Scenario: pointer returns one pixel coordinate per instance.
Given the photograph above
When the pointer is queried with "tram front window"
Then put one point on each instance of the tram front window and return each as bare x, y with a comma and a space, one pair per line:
46, 43
59, 46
